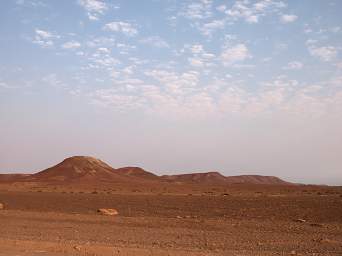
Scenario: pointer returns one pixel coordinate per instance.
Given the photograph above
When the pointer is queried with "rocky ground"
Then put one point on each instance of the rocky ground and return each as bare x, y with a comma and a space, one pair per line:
299, 222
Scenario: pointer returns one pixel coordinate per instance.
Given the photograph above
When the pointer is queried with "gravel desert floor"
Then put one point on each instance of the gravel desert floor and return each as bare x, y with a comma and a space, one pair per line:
301, 222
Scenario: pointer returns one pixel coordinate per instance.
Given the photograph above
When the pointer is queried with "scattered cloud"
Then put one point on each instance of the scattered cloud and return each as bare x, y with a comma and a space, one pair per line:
163, 88
112, 98
237, 53
288, 18
324, 53
32, 3
335, 29
125, 48
294, 65
199, 57
196, 62
53, 80
94, 8
174, 82
5, 85
180, 97
221, 8
103, 50
155, 41
209, 28
124, 27
250, 12
44, 38
71, 45
102, 59
197, 10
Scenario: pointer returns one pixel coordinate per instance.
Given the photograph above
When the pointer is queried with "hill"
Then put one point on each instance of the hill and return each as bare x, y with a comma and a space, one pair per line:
218, 178
86, 169
136, 172
256, 179
206, 177
79, 168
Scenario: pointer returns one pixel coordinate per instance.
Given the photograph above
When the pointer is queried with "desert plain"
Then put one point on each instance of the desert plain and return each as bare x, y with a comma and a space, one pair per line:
55, 212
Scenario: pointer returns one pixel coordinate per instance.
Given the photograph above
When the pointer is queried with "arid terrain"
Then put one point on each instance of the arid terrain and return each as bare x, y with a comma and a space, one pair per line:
55, 212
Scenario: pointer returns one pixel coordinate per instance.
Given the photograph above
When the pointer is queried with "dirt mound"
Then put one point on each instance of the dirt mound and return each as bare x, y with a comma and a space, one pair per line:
136, 172
206, 177
79, 168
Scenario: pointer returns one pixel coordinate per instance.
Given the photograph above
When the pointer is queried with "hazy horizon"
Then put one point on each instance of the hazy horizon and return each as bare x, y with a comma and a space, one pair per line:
240, 87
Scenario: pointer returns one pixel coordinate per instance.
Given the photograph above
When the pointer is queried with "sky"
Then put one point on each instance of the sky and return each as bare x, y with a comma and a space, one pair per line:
240, 87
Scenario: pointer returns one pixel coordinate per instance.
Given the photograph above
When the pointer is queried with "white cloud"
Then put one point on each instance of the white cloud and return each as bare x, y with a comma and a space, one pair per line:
288, 18
221, 8
44, 38
198, 10
52, 80
235, 54
294, 65
125, 48
335, 29
44, 34
103, 50
324, 53
208, 56
252, 12
71, 45
155, 41
281, 96
178, 95
174, 81
311, 42
252, 19
123, 27
103, 61
199, 58
200, 13
208, 28
33, 3
94, 8
116, 99
5, 85
102, 41
175, 91
197, 48
196, 62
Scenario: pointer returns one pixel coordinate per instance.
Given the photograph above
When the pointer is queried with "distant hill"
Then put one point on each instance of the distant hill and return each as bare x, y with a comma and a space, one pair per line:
206, 177
256, 179
86, 169
79, 168
218, 178
136, 172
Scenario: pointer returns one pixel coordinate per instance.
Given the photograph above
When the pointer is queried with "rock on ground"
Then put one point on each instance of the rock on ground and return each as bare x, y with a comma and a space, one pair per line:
108, 211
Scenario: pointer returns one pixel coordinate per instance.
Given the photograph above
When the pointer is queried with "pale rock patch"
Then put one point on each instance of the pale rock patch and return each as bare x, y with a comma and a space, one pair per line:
108, 211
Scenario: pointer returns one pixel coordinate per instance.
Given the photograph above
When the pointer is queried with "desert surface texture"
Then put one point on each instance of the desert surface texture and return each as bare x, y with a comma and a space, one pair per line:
82, 206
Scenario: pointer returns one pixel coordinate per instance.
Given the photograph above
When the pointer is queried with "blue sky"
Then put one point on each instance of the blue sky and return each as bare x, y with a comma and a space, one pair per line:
235, 86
